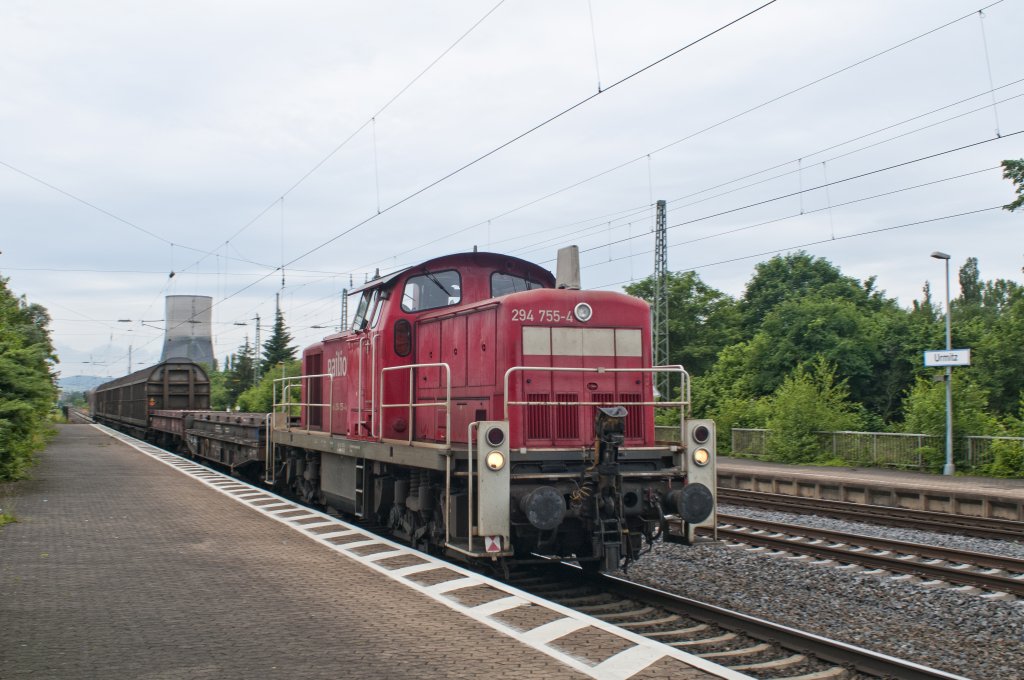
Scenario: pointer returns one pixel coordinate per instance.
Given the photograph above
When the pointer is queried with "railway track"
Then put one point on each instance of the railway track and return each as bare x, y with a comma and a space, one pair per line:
753, 646
980, 527
980, 570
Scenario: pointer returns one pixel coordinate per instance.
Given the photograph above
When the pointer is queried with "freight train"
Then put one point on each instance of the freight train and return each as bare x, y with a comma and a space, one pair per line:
478, 406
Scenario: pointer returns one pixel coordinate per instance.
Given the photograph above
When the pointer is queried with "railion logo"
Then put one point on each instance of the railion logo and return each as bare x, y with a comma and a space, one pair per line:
338, 365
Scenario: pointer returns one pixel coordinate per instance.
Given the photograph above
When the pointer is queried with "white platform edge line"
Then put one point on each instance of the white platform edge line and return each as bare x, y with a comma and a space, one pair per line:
628, 662
298, 518
356, 544
568, 660
402, 572
454, 584
332, 534
497, 606
378, 556
316, 525
552, 630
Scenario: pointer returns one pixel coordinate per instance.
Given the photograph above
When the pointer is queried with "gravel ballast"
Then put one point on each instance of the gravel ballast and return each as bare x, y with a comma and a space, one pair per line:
959, 632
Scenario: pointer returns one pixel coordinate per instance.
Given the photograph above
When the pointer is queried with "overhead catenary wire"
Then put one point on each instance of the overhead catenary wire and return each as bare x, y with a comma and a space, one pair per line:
692, 135
988, 66
498, 148
503, 145
810, 244
531, 130
818, 187
355, 133
634, 211
791, 216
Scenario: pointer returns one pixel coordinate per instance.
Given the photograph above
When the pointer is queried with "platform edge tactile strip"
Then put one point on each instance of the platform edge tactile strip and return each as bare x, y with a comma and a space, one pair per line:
625, 664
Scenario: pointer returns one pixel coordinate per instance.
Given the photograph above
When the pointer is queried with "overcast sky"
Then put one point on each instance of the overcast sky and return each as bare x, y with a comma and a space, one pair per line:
222, 140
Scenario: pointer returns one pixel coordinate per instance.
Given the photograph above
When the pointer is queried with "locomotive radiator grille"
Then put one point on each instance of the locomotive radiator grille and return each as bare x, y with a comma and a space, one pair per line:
538, 422
634, 425
567, 418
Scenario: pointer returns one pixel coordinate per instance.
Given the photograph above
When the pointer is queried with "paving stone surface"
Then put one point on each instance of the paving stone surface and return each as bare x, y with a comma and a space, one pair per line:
120, 567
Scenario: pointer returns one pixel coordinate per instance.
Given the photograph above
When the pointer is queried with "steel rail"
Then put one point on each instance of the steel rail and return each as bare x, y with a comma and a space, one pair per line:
981, 527
849, 554
832, 651
954, 555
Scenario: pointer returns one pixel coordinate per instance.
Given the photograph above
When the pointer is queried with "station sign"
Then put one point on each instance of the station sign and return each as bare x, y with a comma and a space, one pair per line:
947, 357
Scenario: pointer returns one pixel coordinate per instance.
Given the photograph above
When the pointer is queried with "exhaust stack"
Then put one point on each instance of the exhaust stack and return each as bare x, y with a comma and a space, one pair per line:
567, 274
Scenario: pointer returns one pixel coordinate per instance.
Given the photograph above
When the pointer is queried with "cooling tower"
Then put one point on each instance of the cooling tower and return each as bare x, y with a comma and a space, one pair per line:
188, 328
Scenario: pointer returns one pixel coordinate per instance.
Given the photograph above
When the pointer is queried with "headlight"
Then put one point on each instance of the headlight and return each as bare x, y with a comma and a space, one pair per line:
701, 457
495, 460
583, 312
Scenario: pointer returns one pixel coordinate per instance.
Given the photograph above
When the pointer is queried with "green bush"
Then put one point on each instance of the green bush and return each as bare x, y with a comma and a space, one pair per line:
1008, 459
925, 409
738, 412
808, 401
933, 458
260, 398
28, 388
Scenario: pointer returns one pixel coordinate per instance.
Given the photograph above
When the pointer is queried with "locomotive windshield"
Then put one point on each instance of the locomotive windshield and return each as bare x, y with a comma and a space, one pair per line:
366, 305
431, 290
504, 284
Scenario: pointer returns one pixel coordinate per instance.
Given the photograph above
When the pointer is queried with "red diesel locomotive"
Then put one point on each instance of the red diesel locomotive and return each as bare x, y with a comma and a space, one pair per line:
477, 407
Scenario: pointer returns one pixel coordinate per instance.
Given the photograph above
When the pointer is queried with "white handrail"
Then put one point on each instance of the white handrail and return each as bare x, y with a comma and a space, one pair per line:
447, 403
290, 382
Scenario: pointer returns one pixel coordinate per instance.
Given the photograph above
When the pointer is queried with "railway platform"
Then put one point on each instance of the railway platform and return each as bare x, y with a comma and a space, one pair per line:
964, 495
129, 562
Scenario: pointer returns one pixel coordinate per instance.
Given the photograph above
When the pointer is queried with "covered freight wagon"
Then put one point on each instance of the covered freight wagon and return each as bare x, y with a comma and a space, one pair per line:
176, 383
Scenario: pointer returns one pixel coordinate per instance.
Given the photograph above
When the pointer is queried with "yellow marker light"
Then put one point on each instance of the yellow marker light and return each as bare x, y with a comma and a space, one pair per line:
495, 460
701, 457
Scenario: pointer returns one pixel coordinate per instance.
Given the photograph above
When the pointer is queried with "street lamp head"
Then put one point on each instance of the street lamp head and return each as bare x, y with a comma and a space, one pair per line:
938, 255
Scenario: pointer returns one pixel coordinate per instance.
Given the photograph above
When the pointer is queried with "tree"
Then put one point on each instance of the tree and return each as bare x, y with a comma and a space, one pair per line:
804, 307
260, 397
798, 330
241, 374
926, 412
999, 359
794, 276
1008, 455
218, 389
276, 349
971, 287
1014, 171
28, 390
702, 320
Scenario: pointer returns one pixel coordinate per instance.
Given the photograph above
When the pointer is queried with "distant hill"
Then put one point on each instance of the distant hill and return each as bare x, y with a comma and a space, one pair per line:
80, 383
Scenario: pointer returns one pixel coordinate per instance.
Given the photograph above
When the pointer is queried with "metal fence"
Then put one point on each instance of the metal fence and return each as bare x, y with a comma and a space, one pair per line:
978, 451
883, 449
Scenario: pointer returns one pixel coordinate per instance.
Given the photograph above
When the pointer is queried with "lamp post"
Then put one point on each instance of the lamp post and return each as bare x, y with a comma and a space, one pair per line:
949, 468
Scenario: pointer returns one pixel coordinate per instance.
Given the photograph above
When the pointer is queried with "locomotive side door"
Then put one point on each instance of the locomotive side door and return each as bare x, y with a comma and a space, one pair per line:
367, 346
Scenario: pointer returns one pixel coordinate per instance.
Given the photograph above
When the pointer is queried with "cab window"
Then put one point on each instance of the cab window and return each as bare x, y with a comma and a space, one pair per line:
503, 284
432, 290
376, 311
366, 305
